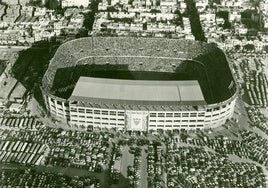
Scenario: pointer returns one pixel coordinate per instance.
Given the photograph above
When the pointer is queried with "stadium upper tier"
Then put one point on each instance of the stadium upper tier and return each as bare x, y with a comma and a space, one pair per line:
89, 56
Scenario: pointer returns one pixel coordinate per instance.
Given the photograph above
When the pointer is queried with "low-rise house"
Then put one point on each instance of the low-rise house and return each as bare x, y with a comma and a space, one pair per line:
15, 107
18, 94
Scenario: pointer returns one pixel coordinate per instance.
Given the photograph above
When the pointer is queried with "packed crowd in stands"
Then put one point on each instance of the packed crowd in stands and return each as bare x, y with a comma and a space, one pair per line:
136, 63
68, 54
32, 178
134, 47
196, 167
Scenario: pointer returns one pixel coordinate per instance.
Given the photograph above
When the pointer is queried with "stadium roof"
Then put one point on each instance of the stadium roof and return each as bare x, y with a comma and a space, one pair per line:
138, 92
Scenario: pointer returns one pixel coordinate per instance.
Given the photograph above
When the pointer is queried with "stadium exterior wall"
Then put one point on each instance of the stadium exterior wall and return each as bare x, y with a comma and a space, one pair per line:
209, 116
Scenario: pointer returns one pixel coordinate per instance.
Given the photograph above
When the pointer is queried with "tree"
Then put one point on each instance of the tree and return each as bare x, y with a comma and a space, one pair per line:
178, 20
226, 25
265, 48
52, 4
35, 3
82, 32
155, 11
89, 20
112, 9
29, 30
63, 32
249, 47
223, 14
237, 47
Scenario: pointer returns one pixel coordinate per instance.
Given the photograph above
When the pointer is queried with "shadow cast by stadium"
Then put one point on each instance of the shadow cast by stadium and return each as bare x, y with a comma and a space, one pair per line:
31, 66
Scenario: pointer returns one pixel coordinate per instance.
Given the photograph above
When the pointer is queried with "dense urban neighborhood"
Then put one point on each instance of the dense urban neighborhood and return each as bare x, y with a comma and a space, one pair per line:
39, 150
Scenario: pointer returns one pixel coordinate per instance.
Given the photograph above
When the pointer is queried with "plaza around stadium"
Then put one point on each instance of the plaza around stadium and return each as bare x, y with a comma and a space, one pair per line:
139, 84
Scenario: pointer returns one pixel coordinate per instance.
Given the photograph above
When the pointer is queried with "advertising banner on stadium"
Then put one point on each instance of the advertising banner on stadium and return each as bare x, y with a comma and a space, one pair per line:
136, 121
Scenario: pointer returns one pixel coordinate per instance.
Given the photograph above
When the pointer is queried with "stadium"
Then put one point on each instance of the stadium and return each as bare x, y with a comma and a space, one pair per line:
139, 84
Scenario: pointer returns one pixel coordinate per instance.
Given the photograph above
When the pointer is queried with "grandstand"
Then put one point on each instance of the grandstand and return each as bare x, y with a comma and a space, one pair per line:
139, 60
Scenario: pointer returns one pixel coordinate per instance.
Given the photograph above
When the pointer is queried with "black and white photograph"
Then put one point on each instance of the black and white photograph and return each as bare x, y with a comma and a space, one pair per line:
134, 93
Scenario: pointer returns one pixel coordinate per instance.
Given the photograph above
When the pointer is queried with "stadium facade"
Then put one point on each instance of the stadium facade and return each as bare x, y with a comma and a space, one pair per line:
204, 99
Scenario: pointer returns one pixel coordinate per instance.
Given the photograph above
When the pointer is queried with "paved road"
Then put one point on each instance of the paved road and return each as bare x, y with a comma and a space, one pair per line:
127, 159
143, 170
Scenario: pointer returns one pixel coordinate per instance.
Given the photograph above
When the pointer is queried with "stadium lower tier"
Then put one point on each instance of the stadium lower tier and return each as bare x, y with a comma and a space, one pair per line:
140, 118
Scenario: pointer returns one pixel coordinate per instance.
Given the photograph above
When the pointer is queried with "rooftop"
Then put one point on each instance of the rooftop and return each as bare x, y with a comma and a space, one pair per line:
139, 92
6, 87
18, 92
